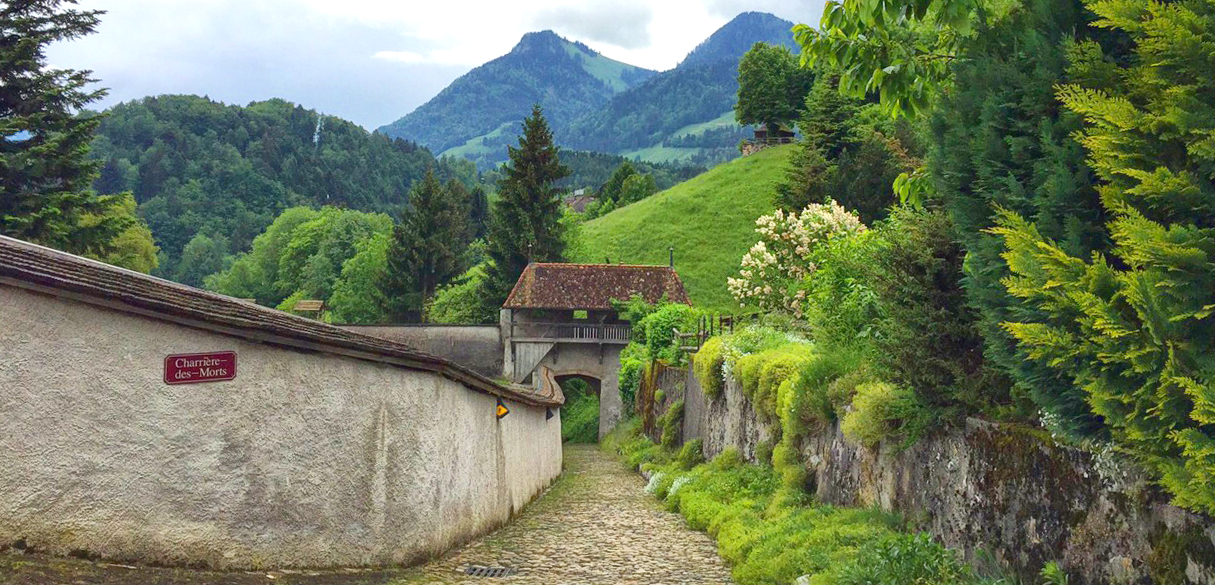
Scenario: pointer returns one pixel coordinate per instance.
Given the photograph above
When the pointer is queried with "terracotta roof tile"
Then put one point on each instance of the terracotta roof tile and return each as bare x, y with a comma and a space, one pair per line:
30, 266
592, 286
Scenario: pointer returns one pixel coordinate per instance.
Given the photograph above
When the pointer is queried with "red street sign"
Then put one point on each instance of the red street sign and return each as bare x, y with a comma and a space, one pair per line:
193, 368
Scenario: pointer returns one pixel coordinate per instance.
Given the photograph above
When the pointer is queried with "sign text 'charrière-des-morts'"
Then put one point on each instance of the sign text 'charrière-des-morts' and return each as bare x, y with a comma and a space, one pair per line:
200, 367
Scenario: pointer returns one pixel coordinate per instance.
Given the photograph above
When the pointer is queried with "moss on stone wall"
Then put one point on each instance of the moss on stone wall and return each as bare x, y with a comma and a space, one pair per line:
1172, 551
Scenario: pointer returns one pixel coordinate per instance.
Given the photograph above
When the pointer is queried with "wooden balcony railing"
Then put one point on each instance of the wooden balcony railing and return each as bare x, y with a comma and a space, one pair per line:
572, 332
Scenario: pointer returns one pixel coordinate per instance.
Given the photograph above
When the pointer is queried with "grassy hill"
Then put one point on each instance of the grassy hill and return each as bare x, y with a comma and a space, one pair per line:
710, 220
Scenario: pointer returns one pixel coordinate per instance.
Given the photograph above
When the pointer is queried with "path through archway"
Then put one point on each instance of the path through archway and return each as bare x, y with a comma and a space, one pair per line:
580, 414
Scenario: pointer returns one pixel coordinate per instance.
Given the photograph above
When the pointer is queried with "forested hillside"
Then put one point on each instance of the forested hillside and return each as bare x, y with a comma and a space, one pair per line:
479, 113
673, 115
709, 220
208, 177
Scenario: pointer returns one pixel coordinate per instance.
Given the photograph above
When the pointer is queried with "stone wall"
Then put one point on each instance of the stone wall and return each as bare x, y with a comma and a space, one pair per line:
1006, 490
309, 458
476, 347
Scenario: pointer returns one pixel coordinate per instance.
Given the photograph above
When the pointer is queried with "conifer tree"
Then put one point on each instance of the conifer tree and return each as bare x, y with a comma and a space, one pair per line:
1000, 140
426, 248
526, 224
45, 174
1135, 326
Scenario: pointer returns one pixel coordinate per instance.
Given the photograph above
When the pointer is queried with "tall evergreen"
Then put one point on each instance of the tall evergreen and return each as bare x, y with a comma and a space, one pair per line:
45, 174
478, 212
526, 217
426, 248
1002, 141
1133, 326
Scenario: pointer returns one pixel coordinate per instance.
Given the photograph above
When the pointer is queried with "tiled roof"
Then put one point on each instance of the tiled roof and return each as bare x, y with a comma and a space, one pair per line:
592, 286
41, 269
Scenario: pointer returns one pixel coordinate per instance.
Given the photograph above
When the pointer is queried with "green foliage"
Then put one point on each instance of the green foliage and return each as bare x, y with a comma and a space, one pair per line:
45, 173
709, 220
580, 413
761, 373
201, 257
927, 336
526, 216
1133, 327
133, 248
595, 170
1000, 140
771, 87
659, 327
691, 454
332, 255
426, 248
672, 425
460, 303
881, 411
356, 298
899, 50
199, 166
849, 153
1052, 574
903, 558
707, 367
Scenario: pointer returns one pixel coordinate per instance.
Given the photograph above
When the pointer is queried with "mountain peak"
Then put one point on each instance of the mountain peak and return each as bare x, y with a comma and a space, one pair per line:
736, 37
544, 39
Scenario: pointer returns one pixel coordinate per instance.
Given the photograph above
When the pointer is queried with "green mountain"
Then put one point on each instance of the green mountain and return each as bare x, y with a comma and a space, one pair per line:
203, 168
686, 113
480, 113
709, 220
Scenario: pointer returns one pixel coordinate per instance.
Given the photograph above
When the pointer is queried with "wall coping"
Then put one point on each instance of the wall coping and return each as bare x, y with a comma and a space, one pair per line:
43, 270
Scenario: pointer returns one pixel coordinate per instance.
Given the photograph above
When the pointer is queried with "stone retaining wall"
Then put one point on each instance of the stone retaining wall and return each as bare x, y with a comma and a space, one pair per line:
1003, 489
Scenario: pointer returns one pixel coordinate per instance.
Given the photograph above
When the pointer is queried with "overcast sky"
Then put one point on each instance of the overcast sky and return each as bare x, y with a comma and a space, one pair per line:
370, 61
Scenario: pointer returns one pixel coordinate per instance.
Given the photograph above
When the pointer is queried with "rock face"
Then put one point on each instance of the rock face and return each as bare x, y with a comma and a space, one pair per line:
1000, 490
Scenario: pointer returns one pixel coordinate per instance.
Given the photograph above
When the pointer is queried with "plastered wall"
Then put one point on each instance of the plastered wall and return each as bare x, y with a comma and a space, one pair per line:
306, 459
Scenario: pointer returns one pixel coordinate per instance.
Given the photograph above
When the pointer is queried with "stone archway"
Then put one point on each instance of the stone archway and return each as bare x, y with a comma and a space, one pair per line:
599, 365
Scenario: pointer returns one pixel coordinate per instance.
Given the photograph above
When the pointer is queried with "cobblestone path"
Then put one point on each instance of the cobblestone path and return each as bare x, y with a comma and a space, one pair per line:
595, 526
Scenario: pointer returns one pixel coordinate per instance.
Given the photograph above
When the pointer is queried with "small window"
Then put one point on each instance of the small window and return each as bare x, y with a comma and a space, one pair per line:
581, 315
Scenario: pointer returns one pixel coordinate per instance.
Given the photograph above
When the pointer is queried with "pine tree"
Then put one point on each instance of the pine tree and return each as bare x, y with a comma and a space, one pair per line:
526, 217
478, 215
1134, 326
426, 248
45, 174
1000, 140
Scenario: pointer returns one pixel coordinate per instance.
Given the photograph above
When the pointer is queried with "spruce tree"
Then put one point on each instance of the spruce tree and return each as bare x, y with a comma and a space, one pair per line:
46, 176
1135, 327
426, 249
1000, 140
526, 217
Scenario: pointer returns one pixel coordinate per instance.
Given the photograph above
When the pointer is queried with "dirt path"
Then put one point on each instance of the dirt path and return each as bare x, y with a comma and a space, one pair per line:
596, 526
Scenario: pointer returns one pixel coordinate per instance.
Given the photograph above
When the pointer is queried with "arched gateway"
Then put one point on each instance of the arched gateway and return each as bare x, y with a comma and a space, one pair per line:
559, 321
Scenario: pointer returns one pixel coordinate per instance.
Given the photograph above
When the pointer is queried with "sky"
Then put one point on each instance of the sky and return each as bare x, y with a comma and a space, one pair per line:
369, 61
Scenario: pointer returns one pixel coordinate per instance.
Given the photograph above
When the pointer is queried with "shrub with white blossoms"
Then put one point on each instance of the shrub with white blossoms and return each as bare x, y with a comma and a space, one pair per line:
773, 271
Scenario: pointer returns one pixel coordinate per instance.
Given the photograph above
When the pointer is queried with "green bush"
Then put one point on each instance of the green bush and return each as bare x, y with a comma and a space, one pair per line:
659, 326
672, 425
901, 559
707, 367
881, 410
927, 337
691, 455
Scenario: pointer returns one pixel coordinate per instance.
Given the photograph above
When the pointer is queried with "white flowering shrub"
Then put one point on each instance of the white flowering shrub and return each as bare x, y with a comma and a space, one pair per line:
655, 480
773, 272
